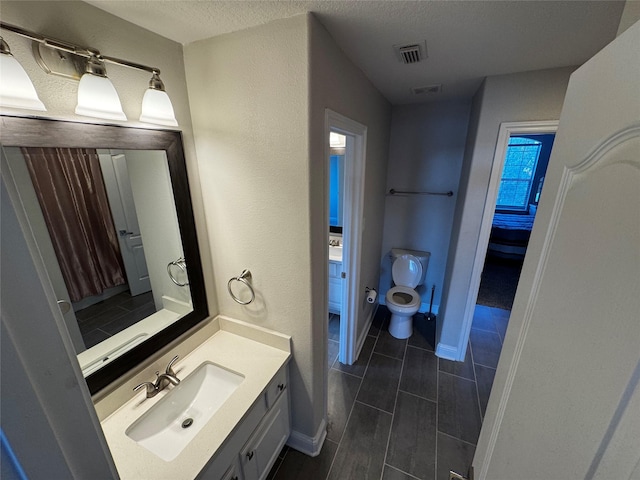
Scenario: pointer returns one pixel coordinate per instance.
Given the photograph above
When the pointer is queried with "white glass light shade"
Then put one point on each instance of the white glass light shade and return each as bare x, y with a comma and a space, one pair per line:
336, 140
97, 97
157, 108
16, 89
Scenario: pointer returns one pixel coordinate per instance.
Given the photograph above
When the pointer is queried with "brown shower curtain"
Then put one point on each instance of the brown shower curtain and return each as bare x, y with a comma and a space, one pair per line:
73, 199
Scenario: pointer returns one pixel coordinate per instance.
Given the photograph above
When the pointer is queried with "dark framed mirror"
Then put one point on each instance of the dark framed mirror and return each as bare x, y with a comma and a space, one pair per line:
151, 153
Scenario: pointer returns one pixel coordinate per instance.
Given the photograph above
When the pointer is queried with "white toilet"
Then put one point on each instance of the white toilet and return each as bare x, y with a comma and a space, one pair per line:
409, 268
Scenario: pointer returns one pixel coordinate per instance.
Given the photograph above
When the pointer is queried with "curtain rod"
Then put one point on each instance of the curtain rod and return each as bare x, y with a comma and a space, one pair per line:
398, 192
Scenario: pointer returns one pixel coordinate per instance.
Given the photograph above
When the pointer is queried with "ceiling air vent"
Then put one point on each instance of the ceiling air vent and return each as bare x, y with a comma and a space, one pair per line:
427, 89
411, 53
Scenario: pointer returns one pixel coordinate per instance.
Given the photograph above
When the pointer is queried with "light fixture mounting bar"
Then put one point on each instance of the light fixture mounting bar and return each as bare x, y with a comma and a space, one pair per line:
127, 63
75, 49
49, 42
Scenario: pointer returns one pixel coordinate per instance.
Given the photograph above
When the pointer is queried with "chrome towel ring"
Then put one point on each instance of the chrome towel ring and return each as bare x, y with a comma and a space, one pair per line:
244, 277
182, 265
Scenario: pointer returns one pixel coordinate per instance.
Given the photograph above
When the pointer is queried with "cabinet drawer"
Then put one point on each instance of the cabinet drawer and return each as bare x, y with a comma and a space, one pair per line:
276, 387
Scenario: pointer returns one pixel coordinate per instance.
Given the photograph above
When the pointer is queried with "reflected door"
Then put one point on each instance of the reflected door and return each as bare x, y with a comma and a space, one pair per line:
118, 186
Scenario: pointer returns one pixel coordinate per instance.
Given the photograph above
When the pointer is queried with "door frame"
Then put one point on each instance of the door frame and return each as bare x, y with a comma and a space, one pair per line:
353, 207
507, 129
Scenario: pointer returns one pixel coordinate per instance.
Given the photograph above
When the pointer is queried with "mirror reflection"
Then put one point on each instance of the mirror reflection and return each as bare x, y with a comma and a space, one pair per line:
337, 145
105, 223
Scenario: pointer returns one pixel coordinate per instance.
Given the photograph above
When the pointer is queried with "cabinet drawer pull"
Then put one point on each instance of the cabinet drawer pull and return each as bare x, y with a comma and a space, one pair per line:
250, 455
281, 386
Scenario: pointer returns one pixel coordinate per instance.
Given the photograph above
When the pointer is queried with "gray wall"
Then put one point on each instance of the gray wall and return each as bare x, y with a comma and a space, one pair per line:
338, 85
630, 15
249, 102
427, 146
258, 106
505, 98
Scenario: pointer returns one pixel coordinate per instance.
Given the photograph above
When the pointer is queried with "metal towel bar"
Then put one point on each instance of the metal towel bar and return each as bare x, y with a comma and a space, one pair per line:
398, 192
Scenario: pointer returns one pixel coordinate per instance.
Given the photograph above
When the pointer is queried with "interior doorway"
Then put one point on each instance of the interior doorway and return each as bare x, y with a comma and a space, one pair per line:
524, 168
507, 130
337, 160
517, 179
343, 244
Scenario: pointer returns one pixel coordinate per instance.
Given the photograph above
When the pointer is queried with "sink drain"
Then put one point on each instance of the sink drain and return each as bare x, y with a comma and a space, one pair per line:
187, 423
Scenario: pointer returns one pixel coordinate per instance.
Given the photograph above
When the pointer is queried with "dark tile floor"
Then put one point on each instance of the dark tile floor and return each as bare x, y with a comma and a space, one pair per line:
104, 319
400, 412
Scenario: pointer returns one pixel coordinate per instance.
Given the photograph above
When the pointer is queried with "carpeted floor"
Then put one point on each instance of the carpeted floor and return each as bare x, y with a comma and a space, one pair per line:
499, 282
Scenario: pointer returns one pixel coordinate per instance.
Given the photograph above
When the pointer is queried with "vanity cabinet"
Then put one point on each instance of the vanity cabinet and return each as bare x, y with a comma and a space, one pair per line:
262, 449
233, 473
335, 287
252, 449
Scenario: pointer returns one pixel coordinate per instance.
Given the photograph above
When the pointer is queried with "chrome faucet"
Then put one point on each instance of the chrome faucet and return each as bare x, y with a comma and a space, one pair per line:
162, 380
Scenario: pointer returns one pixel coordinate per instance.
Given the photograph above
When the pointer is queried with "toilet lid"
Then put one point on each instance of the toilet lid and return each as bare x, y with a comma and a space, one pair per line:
406, 271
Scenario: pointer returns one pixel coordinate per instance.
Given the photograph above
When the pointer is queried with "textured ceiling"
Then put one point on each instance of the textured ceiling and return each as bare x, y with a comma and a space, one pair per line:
466, 40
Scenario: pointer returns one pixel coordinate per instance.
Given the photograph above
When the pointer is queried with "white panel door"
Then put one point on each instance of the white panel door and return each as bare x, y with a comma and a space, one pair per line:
566, 399
123, 211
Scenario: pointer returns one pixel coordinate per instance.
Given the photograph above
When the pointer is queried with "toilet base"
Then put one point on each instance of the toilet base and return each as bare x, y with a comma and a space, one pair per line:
401, 326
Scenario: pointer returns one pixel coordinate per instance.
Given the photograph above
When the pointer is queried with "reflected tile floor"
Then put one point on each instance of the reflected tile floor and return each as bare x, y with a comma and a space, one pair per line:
104, 319
400, 412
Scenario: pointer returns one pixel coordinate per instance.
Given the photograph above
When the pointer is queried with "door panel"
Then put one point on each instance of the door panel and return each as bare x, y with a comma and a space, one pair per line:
123, 210
566, 394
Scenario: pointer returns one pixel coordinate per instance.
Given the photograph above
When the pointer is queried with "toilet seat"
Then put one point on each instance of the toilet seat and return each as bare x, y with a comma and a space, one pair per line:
403, 299
406, 271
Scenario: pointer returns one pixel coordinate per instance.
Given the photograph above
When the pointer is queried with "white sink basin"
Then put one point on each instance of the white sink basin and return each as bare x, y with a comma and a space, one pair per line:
174, 421
335, 253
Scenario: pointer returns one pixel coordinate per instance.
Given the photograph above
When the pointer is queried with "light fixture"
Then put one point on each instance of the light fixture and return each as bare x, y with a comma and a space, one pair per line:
16, 89
97, 96
336, 140
156, 105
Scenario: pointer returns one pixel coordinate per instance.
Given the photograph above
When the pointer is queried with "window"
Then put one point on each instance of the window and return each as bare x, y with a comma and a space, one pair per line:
518, 172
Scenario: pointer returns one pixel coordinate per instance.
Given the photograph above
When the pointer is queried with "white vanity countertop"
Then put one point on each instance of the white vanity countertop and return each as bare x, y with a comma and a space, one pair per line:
255, 352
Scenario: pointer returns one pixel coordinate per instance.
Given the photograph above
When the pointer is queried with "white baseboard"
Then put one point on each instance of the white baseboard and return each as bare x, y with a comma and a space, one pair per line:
308, 445
365, 331
447, 352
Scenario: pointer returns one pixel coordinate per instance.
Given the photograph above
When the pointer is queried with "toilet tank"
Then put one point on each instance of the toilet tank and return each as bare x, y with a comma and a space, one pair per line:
423, 257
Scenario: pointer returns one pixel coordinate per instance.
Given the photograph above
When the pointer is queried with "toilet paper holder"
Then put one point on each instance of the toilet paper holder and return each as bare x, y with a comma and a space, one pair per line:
372, 294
